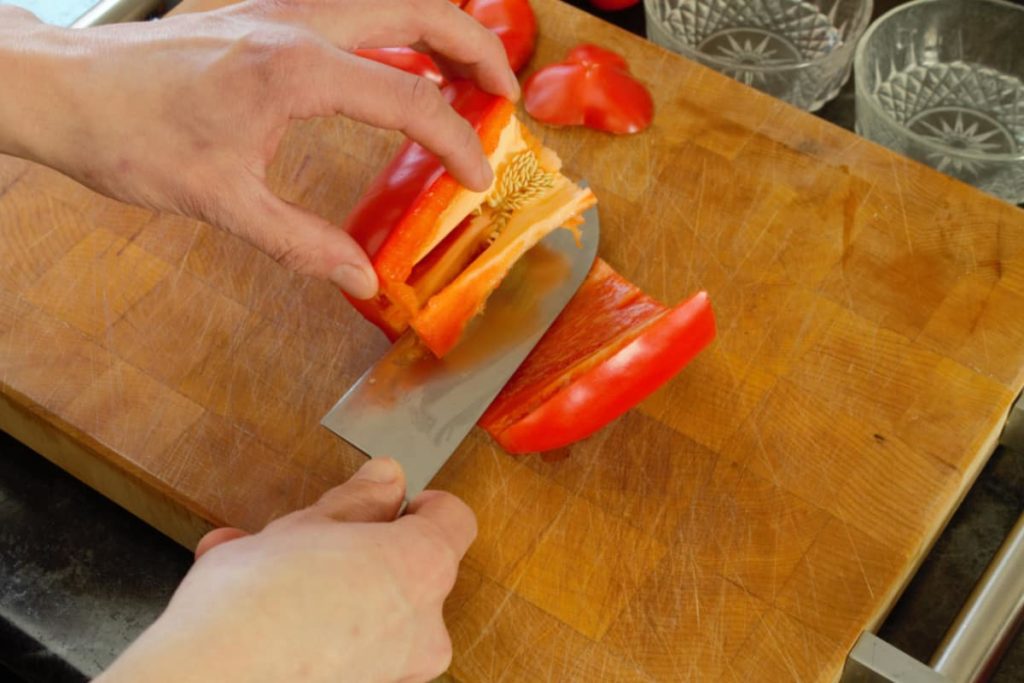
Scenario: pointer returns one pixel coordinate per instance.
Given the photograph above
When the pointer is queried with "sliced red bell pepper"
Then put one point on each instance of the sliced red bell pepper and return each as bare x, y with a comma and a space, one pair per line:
610, 348
592, 87
513, 21
414, 209
397, 215
406, 59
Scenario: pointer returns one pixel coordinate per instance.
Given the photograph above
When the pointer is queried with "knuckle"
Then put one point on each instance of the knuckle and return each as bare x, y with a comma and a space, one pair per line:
291, 255
356, 499
468, 137
260, 227
423, 99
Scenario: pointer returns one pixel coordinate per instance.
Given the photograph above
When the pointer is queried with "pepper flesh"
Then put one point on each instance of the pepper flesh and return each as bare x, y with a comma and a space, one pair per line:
413, 208
611, 347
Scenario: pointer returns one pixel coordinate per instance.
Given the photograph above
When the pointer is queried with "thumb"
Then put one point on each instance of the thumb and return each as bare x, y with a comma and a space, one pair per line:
373, 494
302, 241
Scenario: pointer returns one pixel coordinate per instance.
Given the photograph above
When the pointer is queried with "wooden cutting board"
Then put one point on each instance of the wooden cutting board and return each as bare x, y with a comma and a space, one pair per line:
745, 523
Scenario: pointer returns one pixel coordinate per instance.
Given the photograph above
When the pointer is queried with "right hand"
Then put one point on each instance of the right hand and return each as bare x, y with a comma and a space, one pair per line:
340, 591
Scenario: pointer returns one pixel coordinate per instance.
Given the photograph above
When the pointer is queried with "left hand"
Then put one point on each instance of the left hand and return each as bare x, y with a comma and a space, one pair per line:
185, 114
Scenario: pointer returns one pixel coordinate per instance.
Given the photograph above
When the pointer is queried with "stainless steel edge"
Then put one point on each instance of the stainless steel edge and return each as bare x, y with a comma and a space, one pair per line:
873, 660
974, 643
990, 618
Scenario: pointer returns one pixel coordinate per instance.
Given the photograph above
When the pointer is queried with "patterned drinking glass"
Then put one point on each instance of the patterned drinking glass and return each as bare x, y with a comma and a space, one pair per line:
798, 50
942, 81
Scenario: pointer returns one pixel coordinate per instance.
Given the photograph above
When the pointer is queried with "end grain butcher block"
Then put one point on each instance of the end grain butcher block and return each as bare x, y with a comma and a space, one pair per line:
745, 523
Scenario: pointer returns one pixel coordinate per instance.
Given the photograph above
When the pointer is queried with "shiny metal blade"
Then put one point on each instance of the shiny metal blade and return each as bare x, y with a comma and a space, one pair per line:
417, 408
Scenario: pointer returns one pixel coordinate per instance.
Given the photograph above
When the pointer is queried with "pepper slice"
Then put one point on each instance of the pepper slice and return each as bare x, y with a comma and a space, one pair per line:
513, 21
440, 249
611, 347
591, 87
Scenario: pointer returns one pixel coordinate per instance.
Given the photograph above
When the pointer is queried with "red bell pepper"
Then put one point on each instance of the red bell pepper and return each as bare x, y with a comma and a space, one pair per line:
406, 59
592, 87
440, 250
513, 21
612, 345
398, 212
610, 348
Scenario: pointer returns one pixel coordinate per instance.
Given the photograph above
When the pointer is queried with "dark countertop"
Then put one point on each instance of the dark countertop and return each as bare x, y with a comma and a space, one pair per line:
80, 578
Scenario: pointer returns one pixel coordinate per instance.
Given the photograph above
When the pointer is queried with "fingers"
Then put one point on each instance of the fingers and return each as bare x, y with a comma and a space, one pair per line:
468, 47
453, 70
453, 518
439, 25
216, 537
373, 494
341, 83
296, 238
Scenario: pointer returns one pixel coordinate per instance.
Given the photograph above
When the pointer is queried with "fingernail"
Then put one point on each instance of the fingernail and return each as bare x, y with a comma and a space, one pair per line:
361, 283
380, 470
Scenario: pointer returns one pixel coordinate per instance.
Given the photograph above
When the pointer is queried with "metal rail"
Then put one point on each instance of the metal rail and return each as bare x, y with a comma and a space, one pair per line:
980, 634
988, 621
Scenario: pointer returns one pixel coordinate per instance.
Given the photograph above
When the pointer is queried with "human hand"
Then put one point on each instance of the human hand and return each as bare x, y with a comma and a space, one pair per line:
184, 114
340, 591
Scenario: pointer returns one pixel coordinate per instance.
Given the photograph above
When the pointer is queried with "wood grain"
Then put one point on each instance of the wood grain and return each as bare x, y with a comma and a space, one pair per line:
743, 524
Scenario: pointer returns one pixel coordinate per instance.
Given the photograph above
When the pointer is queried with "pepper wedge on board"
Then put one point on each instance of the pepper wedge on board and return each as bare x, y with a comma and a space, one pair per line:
591, 87
611, 347
440, 249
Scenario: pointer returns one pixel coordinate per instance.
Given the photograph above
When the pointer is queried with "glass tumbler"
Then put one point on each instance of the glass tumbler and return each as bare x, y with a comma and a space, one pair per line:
798, 50
942, 81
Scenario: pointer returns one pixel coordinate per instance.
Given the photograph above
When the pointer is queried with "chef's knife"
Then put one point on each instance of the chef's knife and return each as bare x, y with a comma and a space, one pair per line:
416, 408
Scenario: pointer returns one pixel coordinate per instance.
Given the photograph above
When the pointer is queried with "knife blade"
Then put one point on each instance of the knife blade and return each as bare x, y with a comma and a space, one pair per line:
417, 408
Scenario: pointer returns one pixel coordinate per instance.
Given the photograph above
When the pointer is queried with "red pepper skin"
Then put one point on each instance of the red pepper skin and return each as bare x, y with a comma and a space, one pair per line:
399, 209
613, 386
513, 21
380, 210
406, 59
396, 257
613, 5
593, 88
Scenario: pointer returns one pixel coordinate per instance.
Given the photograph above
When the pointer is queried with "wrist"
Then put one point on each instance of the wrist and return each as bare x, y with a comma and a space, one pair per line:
31, 55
